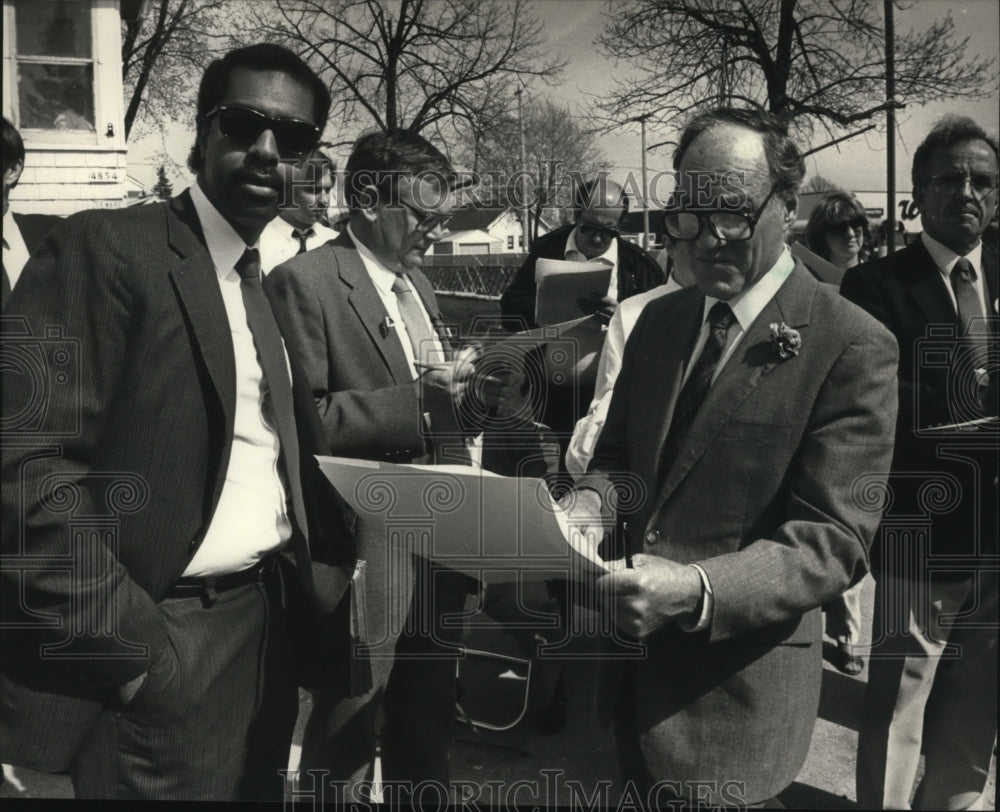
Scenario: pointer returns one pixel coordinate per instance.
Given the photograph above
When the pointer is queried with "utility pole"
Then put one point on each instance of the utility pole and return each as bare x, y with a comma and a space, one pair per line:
890, 128
525, 229
645, 190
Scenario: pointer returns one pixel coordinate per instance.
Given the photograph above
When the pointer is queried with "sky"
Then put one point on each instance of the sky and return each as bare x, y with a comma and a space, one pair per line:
858, 164
572, 26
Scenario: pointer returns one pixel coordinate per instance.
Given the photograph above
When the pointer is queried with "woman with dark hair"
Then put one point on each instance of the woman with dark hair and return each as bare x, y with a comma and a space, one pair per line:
838, 230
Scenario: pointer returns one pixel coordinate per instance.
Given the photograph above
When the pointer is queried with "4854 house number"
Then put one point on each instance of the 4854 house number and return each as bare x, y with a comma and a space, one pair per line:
104, 176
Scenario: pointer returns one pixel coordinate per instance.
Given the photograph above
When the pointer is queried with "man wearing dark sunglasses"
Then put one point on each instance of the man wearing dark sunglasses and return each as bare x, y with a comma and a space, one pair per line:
747, 411
170, 670
600, 206
388, 388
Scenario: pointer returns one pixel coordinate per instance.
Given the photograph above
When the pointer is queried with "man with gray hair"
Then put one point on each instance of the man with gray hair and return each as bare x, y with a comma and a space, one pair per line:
748, 410
932, 683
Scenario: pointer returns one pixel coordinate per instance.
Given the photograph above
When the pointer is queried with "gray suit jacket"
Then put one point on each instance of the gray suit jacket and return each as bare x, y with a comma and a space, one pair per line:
353, 360
769, 495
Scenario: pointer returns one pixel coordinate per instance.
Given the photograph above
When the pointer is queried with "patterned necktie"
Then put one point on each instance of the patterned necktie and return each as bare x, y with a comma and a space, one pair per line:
970, 309
271, 353
720, 317
421, 338
303, 236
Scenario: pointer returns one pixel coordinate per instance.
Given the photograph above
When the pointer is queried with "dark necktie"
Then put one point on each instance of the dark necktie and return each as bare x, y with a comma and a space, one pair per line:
720, 317
271, 353
303, 236
421, 338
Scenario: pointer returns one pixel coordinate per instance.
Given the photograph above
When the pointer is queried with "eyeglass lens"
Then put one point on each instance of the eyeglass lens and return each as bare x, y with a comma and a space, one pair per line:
244, 126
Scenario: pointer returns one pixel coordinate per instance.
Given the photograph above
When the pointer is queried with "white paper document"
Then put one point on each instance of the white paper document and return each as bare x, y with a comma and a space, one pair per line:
561, 284
468, 519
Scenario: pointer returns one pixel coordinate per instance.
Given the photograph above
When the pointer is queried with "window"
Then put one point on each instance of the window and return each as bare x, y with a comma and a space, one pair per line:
55, 65
510, 242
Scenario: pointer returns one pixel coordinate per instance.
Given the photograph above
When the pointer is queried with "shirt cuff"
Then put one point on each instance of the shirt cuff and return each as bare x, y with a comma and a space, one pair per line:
707, 606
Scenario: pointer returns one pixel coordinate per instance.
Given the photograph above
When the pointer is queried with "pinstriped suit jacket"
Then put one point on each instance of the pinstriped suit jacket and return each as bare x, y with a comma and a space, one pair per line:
118, 423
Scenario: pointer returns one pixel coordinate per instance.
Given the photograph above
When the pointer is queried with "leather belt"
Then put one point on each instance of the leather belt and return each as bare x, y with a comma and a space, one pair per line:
211, 585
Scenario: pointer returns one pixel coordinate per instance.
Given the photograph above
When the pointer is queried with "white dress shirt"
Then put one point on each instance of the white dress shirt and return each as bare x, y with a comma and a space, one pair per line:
746, 307
610, 257
251, 517
15, 251
278, 244
588, 428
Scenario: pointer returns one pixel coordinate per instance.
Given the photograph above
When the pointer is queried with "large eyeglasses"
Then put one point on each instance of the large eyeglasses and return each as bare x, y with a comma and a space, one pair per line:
731, 226
244, 126
427, 221
605, 233
982, 182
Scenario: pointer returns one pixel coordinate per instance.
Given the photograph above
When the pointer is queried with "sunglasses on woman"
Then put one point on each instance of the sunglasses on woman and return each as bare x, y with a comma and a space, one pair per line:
243, 126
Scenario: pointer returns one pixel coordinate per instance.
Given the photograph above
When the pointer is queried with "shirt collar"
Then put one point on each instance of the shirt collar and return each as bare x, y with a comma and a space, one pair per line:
945, 258
611, 254
748, 304
381, 276
225, 246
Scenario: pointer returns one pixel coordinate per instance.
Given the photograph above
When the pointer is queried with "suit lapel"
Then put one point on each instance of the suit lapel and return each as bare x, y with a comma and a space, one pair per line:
991, 272
751, 361
664, 388
367, 305
198, 289
923, 280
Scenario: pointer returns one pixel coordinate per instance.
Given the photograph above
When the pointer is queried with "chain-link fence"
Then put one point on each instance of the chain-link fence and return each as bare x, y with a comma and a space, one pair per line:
480, 275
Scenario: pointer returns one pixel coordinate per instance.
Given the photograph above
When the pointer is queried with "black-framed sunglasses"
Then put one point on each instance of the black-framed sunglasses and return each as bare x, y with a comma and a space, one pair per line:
855, 227
427, 221
244, 125
606, 233
730, 226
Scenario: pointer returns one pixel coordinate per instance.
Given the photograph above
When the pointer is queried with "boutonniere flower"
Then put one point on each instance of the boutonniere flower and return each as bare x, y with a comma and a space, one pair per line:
786, 340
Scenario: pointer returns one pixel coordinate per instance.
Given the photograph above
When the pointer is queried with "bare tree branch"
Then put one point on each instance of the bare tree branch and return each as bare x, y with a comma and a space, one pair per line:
817, 62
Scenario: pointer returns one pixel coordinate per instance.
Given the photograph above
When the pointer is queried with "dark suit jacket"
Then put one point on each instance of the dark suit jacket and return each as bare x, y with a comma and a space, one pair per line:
354, 363
637, 273
906, 292
111, 480
33, 228
765, 494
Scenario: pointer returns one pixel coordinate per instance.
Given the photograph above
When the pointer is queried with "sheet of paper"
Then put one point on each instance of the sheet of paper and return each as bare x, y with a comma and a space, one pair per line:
561, 284
468, 519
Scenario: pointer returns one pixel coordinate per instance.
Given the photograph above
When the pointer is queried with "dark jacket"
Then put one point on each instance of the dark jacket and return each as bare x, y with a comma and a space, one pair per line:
110, 483
937, 475
637, 273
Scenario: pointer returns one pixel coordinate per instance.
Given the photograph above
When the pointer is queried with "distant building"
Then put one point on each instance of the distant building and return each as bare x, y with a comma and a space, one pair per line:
134, 189
484, 230
62, 88
631, 228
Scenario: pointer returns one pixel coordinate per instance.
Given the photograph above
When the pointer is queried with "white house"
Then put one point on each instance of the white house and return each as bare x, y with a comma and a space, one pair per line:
62, 88
484, 230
